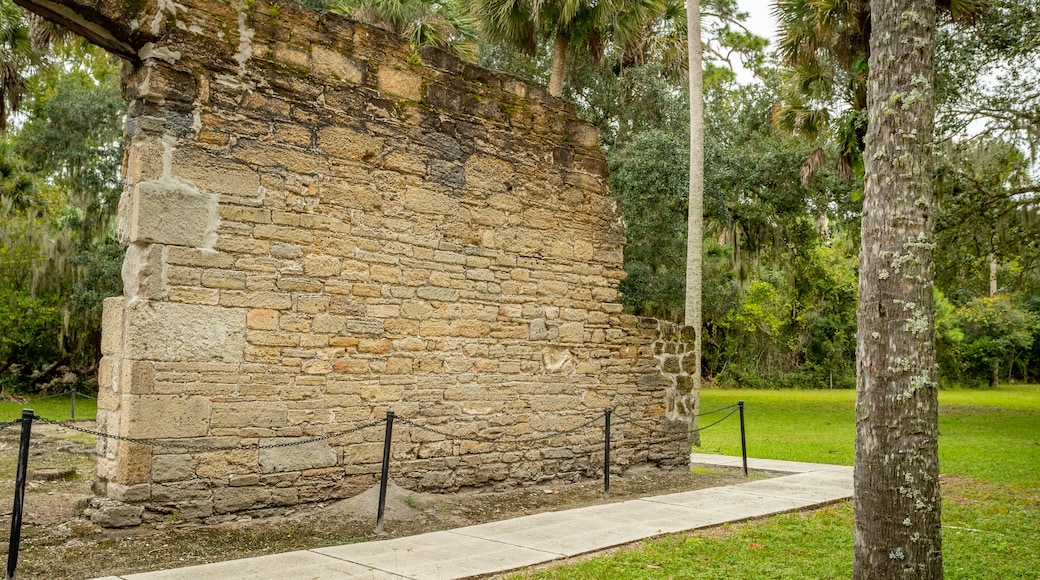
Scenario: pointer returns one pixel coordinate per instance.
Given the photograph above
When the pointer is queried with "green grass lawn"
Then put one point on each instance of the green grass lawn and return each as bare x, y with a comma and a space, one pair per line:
989, 448
58, 408
992, 434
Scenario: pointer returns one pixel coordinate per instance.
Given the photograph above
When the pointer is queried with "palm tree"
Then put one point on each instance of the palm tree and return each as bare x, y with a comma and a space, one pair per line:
445, 24
18, 56
584, 23
824, 46
695, 224
898, 530
723, 37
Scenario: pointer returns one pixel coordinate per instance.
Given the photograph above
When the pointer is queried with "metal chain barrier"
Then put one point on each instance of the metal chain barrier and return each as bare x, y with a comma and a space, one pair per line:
56, 395
714, 411
629, 420
728, 415
479, 439
664, 438
684, 435
194, 447
472, 438
6, 424
28, 417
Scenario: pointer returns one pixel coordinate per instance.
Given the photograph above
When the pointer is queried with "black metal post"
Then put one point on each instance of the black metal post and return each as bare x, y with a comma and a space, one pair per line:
606, 454
743, 442
72, 405
19, 493
386, 470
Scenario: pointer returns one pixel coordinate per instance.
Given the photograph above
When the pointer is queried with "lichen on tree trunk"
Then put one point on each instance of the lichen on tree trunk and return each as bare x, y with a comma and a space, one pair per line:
897, 530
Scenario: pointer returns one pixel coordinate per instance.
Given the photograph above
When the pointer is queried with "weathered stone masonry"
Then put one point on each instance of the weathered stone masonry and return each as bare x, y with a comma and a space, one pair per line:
322, 225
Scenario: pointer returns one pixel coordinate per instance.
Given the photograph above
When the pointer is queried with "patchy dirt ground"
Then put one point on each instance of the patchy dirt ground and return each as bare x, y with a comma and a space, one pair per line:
58, 543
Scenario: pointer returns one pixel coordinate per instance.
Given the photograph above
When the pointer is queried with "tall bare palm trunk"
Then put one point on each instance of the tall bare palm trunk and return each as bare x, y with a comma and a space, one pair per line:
559, 65
994, 379
695, 219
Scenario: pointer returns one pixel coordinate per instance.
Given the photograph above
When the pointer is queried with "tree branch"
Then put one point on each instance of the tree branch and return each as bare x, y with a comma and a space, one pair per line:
995, 198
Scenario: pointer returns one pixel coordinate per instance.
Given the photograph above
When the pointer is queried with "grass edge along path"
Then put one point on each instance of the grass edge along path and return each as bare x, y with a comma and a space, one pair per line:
989, 447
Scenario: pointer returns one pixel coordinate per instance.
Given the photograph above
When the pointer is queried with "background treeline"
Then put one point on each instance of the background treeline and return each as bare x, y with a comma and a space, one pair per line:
783, 175
60, 157
784, 178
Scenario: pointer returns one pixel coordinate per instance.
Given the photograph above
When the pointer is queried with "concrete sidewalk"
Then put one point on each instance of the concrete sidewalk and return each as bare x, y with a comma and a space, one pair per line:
525, 541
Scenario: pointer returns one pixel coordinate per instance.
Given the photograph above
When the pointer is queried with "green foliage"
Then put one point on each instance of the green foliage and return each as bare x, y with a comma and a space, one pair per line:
983, 332
587, 24
631, 77
986, 226
18, 57
986, 73
650, 178
779, 297
59, 186
986, 210
624, 102
443, 24
99, 268
73, 135
27, 333
824, 48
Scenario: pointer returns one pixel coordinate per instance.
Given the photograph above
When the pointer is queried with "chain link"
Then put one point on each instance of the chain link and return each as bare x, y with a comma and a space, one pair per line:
629, 421
66, 393
728, 415
713, 411
478, 439
194, 447
6, 424
685, 434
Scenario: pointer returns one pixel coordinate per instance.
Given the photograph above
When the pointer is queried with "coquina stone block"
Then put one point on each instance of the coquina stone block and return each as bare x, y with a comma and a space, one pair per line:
167, 331
164, 416
172, 212
309, 455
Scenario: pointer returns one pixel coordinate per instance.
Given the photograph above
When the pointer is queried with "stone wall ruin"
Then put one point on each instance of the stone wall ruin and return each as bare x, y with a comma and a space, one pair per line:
322, 225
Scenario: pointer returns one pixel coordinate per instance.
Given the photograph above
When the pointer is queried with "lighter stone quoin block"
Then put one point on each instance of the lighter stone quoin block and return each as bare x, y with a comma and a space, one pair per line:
167, 331
173, 212
143, 275
112, 326
330, 62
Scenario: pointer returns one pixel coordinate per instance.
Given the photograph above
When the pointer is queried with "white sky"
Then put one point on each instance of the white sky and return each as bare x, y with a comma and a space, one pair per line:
760, 16
760, 21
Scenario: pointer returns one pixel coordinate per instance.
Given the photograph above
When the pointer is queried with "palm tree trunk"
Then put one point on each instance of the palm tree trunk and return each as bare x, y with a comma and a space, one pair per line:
695, 218
896, 496
993, 287
559, 65
994, 379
